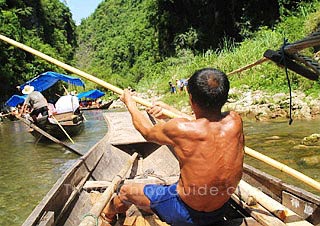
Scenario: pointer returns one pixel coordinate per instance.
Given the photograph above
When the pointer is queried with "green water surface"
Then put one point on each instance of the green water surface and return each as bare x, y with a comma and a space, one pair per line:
29, 170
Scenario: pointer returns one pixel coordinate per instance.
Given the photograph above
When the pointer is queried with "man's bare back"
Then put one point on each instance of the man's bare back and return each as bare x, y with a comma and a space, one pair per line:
211, 159
210, 153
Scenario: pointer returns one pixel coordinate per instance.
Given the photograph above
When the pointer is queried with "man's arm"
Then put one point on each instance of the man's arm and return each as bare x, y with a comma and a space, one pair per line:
140, 122
157, 133
23, 109
156, 111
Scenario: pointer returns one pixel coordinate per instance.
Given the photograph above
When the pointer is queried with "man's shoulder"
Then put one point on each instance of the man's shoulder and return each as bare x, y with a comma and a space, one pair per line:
234, 114
35, 93
178, 125
232, 119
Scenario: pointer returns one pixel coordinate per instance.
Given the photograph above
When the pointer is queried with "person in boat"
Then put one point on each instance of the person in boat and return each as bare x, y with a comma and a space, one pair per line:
36, 101
67, 103
210, 151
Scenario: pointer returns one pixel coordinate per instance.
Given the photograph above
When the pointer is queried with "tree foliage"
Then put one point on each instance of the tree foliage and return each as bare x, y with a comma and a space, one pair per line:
45, 25
119, 39
123, 39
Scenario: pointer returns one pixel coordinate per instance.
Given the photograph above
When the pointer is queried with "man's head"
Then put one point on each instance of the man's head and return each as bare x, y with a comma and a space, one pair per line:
209, 88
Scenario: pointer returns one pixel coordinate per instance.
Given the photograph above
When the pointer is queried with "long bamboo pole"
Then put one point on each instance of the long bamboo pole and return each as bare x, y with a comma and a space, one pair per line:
260, 61
81, 73
170, 114
276, 208
63, 130
47, 135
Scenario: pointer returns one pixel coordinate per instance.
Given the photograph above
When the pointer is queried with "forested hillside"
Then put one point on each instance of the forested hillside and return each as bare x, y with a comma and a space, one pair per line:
119, 40
45, 25
123, 40
143, 44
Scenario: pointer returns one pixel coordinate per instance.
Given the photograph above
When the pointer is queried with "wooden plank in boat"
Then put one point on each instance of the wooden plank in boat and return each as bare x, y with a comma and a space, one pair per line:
113, 161
129, 220
96, 185
47, 219
274, 186
61, 192
67, 123
82, 207
304, 208
139, 221
64, 116
269, 185
152, 220
274, 207
121, 128
101, 149
263, 216
162, 162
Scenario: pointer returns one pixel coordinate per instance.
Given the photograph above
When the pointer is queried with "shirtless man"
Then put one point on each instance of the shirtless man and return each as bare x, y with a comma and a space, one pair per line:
210, 153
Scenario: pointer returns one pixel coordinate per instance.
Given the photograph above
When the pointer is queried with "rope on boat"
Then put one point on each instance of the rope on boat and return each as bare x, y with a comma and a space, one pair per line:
92, 215
283, 59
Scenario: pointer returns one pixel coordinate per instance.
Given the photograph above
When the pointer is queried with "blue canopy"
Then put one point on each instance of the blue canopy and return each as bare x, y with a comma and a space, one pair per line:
15, 100
91, 94
48, 79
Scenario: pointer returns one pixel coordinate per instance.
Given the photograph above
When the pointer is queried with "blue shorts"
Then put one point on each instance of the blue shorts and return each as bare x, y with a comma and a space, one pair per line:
166, 203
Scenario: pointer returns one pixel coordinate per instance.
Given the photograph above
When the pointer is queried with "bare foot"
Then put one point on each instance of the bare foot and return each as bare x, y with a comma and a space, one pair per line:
107, 220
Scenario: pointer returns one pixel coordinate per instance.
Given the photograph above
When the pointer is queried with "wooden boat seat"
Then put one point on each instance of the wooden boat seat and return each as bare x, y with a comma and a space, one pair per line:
67, 116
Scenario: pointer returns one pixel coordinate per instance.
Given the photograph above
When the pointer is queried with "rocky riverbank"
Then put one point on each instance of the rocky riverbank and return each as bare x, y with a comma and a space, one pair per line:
264, 106
258, 104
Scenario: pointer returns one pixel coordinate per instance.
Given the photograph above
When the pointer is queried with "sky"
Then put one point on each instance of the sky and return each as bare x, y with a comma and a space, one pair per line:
81, 9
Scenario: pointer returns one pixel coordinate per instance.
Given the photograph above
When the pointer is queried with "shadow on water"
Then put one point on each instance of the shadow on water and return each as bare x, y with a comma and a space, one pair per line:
29, 170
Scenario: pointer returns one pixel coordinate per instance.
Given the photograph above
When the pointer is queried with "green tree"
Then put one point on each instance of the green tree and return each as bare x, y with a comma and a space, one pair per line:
45, 25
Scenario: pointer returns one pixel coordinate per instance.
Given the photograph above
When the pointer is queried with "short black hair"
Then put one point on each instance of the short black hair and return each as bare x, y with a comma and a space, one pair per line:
209, 88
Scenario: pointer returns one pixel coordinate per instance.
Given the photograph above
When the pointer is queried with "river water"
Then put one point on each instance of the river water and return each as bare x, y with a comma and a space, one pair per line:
29, 170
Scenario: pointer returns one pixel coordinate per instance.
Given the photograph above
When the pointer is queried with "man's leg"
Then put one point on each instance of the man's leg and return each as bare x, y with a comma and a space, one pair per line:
129, 194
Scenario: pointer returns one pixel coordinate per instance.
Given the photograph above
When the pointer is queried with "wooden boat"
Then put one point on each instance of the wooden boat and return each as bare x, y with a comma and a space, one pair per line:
60, 124
95, 107
79, 189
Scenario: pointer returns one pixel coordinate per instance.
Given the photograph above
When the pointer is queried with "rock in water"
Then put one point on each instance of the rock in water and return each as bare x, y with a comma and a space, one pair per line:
313, 139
